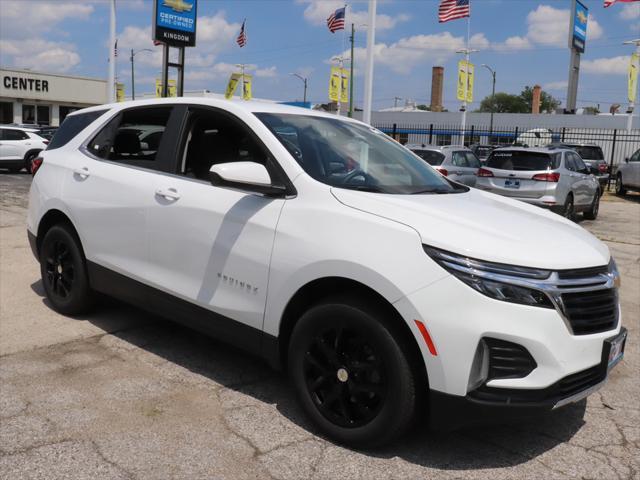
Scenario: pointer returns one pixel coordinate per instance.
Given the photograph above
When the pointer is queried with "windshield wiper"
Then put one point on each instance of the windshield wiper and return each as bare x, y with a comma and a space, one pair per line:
432, 190
363, 188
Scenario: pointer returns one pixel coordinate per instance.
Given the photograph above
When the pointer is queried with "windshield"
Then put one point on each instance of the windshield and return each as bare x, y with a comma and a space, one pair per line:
482, 152
429, 156
353, 156
522, 160
590, 153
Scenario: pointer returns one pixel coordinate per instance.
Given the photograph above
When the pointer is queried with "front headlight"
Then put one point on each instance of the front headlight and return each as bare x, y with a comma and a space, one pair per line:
507, 283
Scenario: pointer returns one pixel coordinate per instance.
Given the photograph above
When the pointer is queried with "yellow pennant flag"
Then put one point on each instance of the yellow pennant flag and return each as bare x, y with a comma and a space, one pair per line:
232, 85
172, 91
466, 76
634, 66
246, 87
335, 82
344, 86
119, 92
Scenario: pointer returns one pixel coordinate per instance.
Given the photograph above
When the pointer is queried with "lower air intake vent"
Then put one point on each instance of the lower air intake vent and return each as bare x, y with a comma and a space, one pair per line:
508, 360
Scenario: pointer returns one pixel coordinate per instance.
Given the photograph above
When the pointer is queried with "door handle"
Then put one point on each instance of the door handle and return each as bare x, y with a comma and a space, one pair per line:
168, 193
81, 172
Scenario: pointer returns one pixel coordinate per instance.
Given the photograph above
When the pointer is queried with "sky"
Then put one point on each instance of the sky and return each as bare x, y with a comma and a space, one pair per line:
525, 41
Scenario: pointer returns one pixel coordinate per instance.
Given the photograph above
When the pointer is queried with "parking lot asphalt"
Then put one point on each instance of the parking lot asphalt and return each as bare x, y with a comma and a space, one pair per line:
123, 394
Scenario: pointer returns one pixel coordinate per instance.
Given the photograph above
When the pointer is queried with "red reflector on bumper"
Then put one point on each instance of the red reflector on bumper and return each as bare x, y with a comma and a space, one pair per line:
427, 338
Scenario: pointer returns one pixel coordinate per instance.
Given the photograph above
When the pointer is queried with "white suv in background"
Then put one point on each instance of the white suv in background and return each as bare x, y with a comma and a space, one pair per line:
19, 146
325, 247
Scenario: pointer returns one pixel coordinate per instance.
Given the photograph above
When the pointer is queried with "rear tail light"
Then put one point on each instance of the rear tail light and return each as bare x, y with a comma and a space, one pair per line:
483, 172
547, 177
603, 168
35, 164
443, 171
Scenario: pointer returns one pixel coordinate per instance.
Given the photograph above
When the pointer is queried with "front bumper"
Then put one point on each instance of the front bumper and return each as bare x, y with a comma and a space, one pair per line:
486, 405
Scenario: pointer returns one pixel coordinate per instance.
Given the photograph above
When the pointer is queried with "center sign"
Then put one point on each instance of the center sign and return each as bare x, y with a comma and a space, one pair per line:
174, 22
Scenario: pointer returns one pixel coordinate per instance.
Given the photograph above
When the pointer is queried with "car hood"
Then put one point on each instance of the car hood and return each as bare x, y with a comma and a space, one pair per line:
487, 227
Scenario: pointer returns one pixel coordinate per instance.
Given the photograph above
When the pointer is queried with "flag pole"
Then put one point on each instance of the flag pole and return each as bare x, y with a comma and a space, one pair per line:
368, 74
353, 34
466, 85
111, 81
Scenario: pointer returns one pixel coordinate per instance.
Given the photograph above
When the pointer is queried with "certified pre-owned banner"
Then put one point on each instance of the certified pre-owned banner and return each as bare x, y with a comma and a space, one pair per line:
174, 22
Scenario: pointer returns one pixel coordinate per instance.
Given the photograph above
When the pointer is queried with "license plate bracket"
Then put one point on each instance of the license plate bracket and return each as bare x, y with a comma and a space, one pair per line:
511, 183
616, 348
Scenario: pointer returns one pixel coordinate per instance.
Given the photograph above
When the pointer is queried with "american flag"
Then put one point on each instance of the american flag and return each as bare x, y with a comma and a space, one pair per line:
335, 21
608, 3
242, 38
453, 9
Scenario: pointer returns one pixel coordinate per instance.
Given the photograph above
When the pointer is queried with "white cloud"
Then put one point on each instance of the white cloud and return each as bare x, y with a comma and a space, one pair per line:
630, 11
24, 19
546, 26
39, 54
606, 66
407, 53
550, 26
317, 12
269, 72
559, 85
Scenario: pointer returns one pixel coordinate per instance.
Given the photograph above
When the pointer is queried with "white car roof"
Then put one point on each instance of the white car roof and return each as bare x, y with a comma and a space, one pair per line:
230, 105
22, 129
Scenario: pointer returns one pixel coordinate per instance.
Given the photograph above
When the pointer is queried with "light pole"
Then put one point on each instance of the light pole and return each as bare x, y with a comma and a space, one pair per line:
304, 81
133, 74
493, 96
635, 42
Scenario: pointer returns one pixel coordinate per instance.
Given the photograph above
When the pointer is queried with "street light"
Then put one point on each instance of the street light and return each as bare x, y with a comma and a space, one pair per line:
304, 81
493, 95
133, 75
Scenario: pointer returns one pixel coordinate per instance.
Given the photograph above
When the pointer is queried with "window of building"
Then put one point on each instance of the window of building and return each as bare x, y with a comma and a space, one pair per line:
6, 112
132, 137
43, 114
28, 113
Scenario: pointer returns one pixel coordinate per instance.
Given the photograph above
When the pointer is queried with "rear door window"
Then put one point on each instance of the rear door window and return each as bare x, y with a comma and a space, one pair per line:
430, 156
135, 137
569, 162
522, 160
14, 135
71, 126
472, 160
590, 153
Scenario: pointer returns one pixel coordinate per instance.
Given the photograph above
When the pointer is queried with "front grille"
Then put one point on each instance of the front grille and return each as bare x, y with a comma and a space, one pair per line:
582, 272
592, 311
508, 360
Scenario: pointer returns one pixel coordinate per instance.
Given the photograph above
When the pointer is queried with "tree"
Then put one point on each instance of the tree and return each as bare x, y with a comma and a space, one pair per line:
591, 110
548, 104
426, 108
509, 103
503, 103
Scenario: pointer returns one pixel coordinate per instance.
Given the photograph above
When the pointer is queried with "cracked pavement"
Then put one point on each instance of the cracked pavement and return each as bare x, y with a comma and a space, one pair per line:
121, 394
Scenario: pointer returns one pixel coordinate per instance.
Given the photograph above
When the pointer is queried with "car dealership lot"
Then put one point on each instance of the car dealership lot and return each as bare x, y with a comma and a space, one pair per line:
122, 394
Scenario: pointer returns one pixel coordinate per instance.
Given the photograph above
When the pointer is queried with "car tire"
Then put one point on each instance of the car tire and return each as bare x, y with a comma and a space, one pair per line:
63, 271
351, 374
592, 213
620, 190
569, 210
28, 160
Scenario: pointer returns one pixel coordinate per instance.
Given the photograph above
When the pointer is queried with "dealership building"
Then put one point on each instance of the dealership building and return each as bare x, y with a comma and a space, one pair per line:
45, 98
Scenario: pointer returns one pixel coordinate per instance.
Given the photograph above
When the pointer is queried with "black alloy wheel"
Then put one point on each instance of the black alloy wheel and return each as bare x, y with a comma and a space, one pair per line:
568, 211
620, 190
348, 364
63, 271
344, 377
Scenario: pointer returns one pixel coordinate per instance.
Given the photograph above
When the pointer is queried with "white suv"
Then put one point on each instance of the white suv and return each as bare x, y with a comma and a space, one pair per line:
19, 146
323, 246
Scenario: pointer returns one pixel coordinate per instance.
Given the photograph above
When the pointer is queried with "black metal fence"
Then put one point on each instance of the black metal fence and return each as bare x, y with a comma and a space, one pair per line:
616, 144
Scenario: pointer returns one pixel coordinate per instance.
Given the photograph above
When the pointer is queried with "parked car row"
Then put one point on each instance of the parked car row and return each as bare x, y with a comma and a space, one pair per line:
554, 177
628, 174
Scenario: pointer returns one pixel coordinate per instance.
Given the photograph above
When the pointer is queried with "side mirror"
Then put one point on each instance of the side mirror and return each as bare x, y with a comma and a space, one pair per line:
626, 160
248, 176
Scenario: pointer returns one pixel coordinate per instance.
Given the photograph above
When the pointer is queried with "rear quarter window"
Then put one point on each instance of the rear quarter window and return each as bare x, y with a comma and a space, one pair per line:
430, 156
72, 126
522, 160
